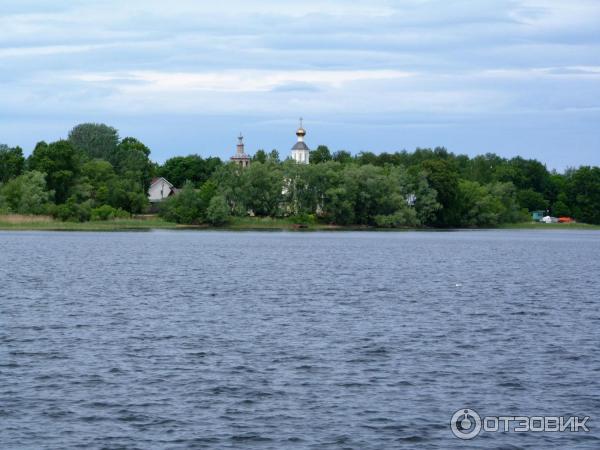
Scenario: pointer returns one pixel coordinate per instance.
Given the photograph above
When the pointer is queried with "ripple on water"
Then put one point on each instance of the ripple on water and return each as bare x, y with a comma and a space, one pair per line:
294, 340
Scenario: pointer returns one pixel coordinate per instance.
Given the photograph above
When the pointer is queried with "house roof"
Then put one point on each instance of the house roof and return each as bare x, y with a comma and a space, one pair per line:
158, 179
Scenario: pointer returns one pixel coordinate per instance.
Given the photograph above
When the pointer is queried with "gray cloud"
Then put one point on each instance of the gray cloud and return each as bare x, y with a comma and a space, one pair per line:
380, 62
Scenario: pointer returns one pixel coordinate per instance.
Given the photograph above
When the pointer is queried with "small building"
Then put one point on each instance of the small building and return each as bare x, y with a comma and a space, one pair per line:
160, 189
300, 151
537, 216
240, 157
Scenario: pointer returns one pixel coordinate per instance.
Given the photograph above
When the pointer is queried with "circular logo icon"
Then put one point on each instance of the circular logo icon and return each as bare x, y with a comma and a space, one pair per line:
465, 424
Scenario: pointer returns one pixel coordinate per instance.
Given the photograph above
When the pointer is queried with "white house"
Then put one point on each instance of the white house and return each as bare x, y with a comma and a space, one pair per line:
160, 189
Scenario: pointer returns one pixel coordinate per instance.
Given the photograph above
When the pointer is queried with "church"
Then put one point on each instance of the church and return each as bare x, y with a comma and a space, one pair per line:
300, 151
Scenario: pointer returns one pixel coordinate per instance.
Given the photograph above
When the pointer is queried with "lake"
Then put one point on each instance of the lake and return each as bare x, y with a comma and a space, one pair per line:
276, 340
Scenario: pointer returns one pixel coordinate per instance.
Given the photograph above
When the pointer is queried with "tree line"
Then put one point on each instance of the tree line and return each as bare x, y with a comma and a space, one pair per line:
96, 175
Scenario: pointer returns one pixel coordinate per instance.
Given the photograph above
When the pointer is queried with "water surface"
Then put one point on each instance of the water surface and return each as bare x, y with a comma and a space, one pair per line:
186, 339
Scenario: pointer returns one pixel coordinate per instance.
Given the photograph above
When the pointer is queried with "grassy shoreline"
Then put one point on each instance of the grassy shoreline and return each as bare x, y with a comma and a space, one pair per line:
43, 223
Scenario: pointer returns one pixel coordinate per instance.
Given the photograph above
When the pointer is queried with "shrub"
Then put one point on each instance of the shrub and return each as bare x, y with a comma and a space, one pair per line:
72, 211
107, 212
217, 212
185, 207
26, 194
304, 218
406, 217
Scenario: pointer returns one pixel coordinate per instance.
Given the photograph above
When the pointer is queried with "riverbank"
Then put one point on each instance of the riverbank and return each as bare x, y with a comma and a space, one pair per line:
24, 223
46, 223
549, 226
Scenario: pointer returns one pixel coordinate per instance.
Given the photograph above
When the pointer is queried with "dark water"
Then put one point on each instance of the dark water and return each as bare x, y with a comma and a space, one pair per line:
295, 340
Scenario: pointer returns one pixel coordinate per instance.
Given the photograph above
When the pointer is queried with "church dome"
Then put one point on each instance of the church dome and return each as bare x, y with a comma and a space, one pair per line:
300, 146
301, 132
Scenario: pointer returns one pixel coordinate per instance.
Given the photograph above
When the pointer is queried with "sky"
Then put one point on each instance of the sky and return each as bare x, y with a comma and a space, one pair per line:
513, 77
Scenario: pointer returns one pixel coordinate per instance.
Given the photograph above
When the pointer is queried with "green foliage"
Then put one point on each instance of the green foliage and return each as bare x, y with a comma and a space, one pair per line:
95, 140
192, 168
304, 219
400, 219
26, 194
487, 205
442, 176
131, 160
107, 212
185, 208
71, 211
381, 196
560, 209
94, 174
126, 194
531, 200
61, 163
260, 156
261, 188
320, 155
273, 156
228, 178
305, 186
12, 162
217, 212
342, 156
584, 194
207, 192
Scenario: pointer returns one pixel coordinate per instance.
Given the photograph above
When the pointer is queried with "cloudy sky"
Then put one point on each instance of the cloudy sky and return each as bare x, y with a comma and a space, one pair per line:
186, 76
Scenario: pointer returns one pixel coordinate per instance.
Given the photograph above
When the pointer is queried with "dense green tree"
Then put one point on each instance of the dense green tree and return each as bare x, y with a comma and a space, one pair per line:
192, 168
260, 156
422, 197
560, 209
97, 178
273, 156
228, 178
131, 160
261, 190
61, 163
73, 211
217, 212
525, 174
320, 155
207, 192
486, 205
306, 186
364, 158
442, 176
126, 194
482, 168
186, 207
342, 156
95, 140
26, 194
584, 194
12, 162
532, 200
373, 195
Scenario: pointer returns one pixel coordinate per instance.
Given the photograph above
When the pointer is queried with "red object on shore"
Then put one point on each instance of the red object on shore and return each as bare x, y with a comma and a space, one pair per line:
565, 220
